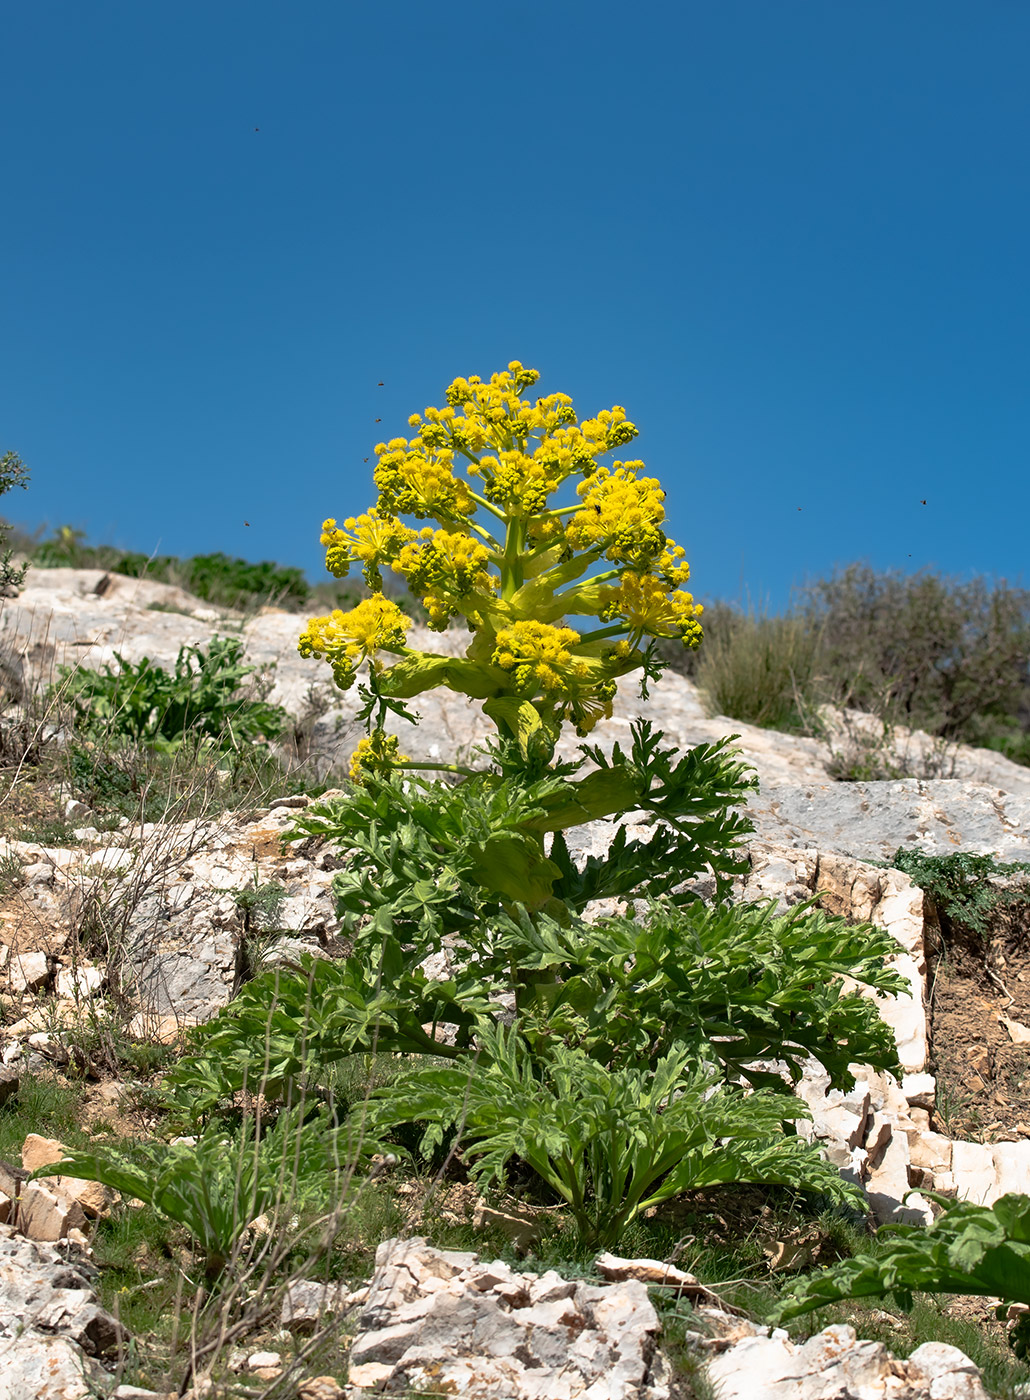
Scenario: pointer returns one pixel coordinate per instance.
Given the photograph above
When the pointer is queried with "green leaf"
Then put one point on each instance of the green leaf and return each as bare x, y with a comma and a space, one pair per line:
968, 1249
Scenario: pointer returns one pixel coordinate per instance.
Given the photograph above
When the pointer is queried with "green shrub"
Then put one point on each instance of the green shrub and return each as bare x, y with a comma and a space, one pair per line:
13, 472
927, 651
145, 704
216, 1185
217, 578
611, 1143
921, 650
233, 582
761, 669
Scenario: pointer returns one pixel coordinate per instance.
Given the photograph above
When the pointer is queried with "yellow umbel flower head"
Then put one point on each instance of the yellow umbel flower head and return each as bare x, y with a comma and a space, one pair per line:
347, 639
539, 659
645, 604
525, 526
378, 753
621, 517
374, 538
445, 567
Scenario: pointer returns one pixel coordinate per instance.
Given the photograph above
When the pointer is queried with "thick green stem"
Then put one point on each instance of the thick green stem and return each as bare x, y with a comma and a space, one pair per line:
512, 561
599, 634
440, 768
484, 504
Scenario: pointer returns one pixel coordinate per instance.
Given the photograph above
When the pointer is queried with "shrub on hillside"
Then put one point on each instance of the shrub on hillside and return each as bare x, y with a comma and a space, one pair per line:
146, 704
761, 669
928, 652
217, 578
921, 650
13, 472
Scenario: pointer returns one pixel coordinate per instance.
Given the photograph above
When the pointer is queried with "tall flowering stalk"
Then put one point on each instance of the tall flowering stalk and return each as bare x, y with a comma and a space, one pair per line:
504, 554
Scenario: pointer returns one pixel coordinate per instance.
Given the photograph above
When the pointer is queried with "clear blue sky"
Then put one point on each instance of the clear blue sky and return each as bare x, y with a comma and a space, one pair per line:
792, 237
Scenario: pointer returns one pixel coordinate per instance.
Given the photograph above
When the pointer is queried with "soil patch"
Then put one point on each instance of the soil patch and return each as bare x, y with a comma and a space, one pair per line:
979, 1015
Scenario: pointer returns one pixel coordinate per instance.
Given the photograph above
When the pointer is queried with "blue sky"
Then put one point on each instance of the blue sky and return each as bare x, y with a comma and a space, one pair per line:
790, 236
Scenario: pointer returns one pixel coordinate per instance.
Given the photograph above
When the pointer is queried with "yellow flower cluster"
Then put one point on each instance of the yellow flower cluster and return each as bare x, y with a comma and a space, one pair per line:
539, 658
542, 662
378, 753
416, 478
347, 639
644, 604
504, 554
373, 538
621, 517
444, 567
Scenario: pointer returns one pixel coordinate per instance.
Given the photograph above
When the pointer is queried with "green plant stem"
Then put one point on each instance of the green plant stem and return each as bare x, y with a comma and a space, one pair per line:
439, 768
599, 634
512, 572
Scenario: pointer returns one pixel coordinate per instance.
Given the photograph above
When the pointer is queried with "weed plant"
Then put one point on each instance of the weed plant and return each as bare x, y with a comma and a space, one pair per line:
967, 888
612, 1075
144, 704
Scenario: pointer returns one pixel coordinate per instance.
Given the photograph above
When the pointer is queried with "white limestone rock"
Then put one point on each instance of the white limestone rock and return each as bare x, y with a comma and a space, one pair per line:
442, 1320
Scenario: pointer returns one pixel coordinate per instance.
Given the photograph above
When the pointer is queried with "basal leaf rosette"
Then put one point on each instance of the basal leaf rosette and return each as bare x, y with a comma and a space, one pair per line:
525, 527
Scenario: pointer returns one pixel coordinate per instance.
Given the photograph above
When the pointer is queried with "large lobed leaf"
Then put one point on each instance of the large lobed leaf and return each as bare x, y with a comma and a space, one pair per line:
610, 1143
969, 1249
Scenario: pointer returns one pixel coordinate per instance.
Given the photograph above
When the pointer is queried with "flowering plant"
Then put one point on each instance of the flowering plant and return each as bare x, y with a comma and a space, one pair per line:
510, 561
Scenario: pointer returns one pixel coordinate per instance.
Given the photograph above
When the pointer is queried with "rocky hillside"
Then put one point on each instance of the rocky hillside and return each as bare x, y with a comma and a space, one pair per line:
178, 935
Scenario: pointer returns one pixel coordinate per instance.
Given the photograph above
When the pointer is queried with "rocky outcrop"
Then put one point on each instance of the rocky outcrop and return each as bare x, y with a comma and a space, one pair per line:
53, 1332
446, 1322
759, 1365
879, 1132
871, 820
172, 912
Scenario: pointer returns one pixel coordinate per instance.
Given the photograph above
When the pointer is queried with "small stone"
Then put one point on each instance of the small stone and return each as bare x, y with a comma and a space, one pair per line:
43, 1214
1018, 1033
650, 1271
135, 1392
10, 1082
320, 1388
79, 983
29, 971
37, 1151
308, 1304
263, 1360
93, 1196
920, 1090
979, 1061
550, 1288
521, 1228
166, 1029
38, 872
372, 1373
